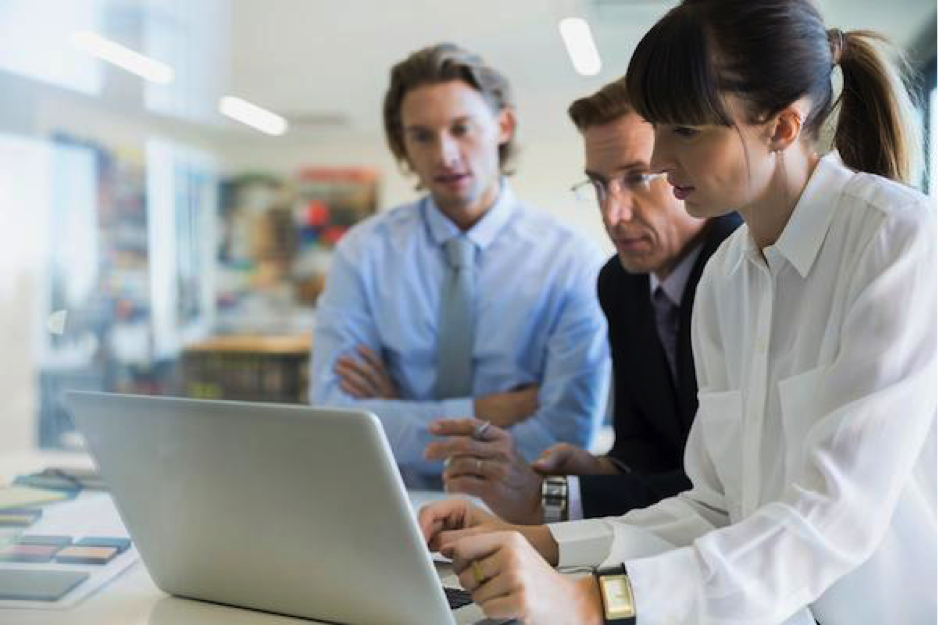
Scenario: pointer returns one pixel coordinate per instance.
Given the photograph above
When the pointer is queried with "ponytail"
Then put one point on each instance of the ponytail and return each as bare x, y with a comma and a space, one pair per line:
875, 129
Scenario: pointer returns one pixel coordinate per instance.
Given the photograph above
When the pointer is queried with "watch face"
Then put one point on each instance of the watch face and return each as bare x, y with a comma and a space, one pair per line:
617, 597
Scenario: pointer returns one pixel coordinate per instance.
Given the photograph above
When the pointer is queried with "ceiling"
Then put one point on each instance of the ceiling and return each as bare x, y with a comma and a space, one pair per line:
324, 64
331, 59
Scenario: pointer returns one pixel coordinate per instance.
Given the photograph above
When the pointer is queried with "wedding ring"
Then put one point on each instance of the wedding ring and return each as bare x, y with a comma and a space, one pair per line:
477, 572
480, 429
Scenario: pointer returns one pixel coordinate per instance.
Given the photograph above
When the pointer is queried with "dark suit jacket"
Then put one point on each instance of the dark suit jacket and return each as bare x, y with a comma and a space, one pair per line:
653, 411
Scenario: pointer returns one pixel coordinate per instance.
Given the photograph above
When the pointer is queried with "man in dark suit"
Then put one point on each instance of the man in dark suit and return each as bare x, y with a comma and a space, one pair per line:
647, 294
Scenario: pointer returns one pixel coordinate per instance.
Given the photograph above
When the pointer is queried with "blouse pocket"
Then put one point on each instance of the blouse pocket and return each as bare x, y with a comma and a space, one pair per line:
799, 398
720, 418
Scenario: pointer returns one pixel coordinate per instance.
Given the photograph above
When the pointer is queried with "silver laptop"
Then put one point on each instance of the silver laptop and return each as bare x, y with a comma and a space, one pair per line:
287, 509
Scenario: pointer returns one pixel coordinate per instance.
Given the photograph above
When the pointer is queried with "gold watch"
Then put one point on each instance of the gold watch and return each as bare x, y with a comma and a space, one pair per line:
616, 591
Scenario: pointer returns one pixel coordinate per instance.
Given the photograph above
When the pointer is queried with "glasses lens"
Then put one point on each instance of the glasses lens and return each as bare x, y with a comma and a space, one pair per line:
586, 192
636, 183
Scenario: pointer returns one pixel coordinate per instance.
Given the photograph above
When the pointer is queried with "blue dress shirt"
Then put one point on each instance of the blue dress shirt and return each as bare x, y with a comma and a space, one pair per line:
538, 321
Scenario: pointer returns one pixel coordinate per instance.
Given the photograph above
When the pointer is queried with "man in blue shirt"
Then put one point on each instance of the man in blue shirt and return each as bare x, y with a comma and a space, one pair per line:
466, 302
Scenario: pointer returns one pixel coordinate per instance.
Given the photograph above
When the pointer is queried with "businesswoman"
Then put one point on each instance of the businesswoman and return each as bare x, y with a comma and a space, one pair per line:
813, 454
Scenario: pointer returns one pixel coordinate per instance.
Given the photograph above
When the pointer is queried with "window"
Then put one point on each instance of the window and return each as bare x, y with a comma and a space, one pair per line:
931, 181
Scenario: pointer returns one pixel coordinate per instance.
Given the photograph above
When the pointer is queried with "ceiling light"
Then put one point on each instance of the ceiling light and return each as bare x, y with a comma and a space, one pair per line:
252, 115
123, 57
580, 46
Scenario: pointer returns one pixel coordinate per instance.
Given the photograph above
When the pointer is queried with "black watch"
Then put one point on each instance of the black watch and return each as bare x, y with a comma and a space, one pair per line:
616, 591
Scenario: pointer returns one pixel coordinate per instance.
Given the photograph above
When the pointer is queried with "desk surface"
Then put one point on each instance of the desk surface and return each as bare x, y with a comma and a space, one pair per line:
253, 343
132, 598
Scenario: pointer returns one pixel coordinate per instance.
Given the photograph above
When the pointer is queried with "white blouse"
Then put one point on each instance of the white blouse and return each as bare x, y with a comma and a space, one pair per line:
813, 454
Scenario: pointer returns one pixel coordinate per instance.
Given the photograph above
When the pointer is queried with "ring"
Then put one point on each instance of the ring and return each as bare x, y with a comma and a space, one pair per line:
479, 466
477, 572
479, 432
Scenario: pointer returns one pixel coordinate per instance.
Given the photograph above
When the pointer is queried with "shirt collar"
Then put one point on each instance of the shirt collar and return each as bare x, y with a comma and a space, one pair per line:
483, 232
801, 239
673, 285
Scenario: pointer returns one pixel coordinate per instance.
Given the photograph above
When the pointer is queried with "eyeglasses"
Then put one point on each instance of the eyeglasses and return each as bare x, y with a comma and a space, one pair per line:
596, 191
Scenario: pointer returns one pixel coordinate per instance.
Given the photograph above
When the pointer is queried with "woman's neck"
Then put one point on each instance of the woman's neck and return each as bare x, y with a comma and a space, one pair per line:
768, 215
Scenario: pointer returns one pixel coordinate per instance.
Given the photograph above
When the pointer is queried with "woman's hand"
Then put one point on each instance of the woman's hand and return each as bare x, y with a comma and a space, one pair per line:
509, 579
445, 522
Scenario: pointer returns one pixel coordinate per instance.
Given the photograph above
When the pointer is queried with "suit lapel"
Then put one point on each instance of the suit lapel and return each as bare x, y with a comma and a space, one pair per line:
651, 362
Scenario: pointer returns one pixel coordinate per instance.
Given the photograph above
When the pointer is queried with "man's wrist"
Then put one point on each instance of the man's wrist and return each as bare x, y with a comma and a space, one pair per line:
537, 511
488, 408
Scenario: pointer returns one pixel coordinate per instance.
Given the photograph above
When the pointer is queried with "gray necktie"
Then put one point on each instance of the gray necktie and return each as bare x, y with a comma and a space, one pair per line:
456, 329
666, 320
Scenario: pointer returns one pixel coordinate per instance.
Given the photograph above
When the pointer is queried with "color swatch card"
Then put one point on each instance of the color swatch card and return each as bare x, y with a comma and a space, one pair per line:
19, 517
70, 551
26, 497
36, 585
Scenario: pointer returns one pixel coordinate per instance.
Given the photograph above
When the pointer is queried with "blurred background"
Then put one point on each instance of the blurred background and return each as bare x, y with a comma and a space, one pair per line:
152, 243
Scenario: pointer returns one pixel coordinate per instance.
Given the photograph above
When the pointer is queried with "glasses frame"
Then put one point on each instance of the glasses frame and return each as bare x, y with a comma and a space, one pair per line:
634, 183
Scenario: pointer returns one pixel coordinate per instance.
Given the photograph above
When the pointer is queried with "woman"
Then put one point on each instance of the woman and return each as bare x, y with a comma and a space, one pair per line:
813, 454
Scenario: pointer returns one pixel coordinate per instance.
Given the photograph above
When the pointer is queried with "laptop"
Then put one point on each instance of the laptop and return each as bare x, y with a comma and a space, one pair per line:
288, 509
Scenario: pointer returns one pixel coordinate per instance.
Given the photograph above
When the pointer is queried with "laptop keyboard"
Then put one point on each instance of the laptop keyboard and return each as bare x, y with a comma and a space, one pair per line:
457, 597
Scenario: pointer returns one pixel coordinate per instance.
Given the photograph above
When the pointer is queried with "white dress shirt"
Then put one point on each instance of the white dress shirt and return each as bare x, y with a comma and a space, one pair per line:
673, 287
813, 454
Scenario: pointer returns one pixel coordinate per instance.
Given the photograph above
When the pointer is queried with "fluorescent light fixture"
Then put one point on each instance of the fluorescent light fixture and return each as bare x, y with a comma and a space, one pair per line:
252, 115
123, 57
580, 45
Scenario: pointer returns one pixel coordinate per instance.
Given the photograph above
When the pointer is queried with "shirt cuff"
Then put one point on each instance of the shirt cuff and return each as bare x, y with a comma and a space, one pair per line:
582, 543
574, 501
665, 587
463, 408
631, 541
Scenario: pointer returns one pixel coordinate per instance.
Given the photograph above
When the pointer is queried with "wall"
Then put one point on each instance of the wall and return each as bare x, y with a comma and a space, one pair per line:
548, 165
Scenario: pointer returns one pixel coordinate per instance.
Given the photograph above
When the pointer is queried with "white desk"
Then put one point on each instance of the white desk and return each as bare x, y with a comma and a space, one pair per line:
132, 598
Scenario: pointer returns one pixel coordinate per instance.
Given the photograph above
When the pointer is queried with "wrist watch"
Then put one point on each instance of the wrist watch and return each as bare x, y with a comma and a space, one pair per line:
554, 498
616, 591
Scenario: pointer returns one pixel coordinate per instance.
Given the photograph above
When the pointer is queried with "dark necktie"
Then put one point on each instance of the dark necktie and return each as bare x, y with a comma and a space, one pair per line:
666, 320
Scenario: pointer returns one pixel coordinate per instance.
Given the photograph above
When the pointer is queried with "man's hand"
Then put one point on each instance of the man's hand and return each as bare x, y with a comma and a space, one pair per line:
508, 579
365, 378
566, 459
506, 409
490, 469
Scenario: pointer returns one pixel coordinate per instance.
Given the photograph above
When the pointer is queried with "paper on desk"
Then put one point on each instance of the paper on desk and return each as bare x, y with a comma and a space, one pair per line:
24, 497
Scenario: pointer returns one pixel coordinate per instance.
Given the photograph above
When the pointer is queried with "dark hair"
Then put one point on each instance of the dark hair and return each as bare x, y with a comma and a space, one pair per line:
770, 53
606, 105
441, 63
